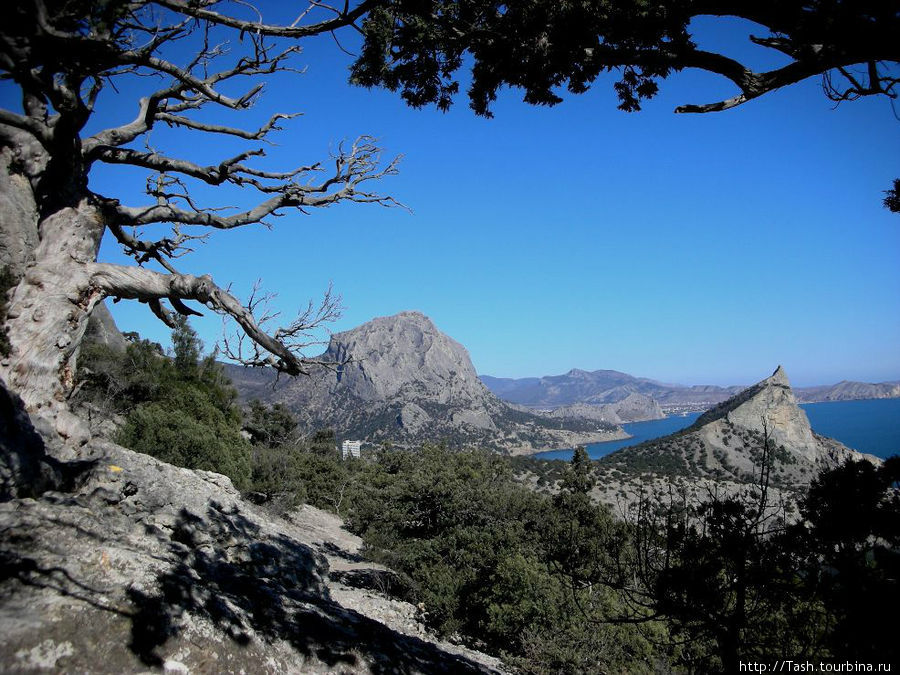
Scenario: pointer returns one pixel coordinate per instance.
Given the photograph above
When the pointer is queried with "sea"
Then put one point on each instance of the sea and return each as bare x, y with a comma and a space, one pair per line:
871, 426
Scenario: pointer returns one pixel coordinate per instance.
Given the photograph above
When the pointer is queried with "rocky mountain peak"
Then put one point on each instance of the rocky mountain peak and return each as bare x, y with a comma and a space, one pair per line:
768, 407
778, 378
728, 440
388, 354
403, 380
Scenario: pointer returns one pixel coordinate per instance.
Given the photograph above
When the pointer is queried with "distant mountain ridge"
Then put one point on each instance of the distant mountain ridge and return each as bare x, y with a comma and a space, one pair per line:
610, 386
848, 391
632, 408
407, 382
599, 387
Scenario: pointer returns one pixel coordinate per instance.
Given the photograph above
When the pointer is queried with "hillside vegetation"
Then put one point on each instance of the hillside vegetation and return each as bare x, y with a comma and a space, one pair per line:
551, 581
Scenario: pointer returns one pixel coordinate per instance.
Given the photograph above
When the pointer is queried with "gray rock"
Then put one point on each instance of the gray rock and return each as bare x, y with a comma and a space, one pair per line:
139, 566
404, 381
727, 441
102, 329
632, 408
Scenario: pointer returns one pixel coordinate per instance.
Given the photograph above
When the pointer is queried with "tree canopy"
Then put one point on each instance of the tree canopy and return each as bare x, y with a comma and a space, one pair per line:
540, 47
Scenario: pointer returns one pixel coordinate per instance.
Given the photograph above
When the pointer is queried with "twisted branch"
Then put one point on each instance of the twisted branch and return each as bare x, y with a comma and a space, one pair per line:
281, 350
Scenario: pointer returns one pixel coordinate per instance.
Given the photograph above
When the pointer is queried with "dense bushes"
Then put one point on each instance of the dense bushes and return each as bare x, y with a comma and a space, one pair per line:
182, 409
556, 584
481, 553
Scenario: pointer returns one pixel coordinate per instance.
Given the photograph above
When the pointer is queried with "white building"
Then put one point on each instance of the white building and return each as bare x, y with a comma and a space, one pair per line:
350, 449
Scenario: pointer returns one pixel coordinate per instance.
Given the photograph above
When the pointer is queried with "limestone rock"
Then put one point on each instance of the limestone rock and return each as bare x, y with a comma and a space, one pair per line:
404, 381
632, 408
636, 408
727, 441
134, 565
102, 329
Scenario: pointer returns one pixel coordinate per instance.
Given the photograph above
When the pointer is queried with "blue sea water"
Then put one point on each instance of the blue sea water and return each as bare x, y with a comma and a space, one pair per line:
871, 426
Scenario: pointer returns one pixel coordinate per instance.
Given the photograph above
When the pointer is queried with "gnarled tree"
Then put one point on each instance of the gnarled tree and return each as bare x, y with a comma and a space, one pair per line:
62, 54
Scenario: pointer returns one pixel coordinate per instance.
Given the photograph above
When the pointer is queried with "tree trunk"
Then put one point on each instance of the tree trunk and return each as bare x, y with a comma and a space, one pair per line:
18, 217
49, 308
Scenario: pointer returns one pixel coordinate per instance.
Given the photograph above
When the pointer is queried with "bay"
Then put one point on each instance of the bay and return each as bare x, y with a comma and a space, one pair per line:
871, 426
640, 432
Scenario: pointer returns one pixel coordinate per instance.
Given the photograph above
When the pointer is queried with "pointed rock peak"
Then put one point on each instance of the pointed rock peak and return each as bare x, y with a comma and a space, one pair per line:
779, 377
758, 397
768, 406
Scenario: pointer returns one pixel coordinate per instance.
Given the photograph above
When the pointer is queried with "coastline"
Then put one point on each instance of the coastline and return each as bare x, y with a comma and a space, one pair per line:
568, 439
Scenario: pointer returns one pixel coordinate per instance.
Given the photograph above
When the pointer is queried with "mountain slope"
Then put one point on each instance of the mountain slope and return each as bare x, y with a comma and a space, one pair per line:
727, 441
406, 382
116, 562
849, 391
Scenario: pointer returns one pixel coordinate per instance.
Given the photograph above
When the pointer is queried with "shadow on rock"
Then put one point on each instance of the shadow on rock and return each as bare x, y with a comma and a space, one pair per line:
26, 467
252, 586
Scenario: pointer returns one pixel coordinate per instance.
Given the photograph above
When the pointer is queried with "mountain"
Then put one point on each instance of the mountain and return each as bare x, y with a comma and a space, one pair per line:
727, 441
848, 391
609, 386
404, 381
599, 387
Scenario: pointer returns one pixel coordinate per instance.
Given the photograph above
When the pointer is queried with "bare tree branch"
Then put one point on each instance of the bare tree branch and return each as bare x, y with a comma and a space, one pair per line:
283, 346
751, 84
227, 171
352, 168
296, 336
39, 131
343, 18
257, 135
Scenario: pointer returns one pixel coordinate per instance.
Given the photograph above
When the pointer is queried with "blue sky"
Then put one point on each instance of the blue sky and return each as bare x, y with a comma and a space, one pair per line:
693, 249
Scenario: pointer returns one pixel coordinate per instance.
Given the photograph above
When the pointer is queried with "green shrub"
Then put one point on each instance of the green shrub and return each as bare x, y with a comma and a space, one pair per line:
196, 438
182, 410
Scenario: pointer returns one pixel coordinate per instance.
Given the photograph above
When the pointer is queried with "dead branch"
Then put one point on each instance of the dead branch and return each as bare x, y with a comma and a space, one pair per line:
353, 168
281, 350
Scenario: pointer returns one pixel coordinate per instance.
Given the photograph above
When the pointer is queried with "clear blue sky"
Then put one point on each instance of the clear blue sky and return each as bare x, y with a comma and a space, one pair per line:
693, 249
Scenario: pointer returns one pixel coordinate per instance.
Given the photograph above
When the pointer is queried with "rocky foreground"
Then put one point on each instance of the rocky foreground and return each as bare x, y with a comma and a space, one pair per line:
115, 562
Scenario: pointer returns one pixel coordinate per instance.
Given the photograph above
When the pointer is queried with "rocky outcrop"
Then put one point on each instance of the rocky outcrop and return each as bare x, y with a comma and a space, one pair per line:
637, 408
134, 565
728, 441
102, 329
404, 381
632, 408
